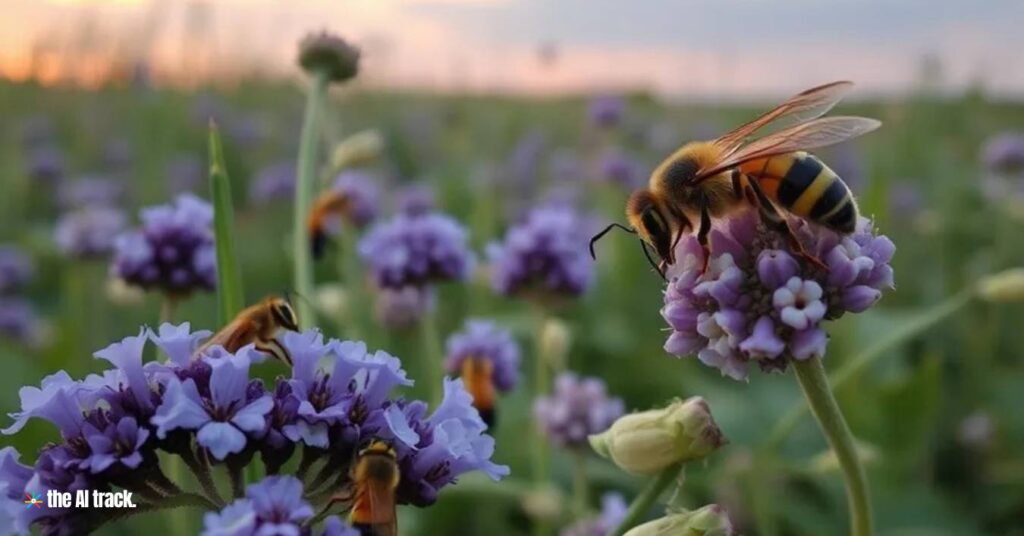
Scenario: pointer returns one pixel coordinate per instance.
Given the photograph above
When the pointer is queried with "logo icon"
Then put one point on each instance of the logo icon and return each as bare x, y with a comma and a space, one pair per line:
33, 499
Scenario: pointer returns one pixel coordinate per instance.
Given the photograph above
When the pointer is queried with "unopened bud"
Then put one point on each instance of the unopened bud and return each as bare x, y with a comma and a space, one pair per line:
1005, 286
356, 150
329, 54
121, 293
543, 504
710, 520
649, 441
555, 341
332, 300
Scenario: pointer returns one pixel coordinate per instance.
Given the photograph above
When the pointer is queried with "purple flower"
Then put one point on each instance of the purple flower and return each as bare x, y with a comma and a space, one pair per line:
173, 251
362, 193
758, 301
606, 110
403, 308
484, 340
433, 451
613, 512
90, 191
14, 477
179, 343
221, 418
15, 268
417, 250
578, 408
619, 168
353, 386
273, 506
116, 443
1004, 153
546, 253
416, 200
89, 233
46, 164
566, 166
273, 182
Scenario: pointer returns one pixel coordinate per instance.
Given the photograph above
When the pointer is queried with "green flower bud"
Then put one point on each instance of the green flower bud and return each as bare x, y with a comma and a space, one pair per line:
332, 300
647, 442
358, 149
555, 341
710, 520
329, 54
1006, 286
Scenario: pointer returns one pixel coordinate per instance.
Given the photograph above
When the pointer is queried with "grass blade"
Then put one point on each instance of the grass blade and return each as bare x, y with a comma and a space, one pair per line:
229, 279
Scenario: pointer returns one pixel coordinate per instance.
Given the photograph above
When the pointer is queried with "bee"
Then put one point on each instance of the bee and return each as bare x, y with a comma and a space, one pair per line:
323, 219
375, 476
704, 180
477, 374
258, 324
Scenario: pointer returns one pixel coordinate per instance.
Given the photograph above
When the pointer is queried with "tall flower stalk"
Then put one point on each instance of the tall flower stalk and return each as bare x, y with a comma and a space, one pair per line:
326, 59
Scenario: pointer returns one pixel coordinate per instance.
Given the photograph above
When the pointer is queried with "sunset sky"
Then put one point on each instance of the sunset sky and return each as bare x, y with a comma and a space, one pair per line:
705, 47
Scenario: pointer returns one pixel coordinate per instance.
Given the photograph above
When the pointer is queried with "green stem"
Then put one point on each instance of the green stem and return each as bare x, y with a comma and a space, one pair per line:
309, 143
432, 356
643, 502
350, 320
814, 382
580, 491
541, 449
230, 298
168, 307
869, 355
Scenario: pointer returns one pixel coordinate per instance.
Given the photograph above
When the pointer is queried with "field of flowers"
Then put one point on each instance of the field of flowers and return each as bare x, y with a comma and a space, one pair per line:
463, 253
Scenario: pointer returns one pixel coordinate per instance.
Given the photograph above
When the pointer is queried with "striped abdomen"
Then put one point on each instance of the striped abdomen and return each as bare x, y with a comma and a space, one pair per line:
806, 187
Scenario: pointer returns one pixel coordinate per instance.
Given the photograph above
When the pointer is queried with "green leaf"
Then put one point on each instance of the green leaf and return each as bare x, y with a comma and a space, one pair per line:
229, 279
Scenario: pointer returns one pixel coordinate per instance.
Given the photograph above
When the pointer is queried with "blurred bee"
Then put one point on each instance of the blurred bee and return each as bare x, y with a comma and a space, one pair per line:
323, 218
709, 179
258, 324
477, 375
374, 478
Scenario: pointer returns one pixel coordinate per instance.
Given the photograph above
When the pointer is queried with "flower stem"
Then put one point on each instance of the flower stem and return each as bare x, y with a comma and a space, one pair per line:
814, 382
580, 492
643, 502
541, 450
350, 321
924, 321
309, 143
432, 356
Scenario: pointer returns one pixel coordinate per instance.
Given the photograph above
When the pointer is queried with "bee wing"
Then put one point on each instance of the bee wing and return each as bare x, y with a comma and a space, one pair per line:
235, 335
810, 135
803, 106
382, 507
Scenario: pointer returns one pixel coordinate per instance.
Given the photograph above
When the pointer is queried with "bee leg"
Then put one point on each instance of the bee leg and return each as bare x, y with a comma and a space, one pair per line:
275, 349
703, 232
774, 220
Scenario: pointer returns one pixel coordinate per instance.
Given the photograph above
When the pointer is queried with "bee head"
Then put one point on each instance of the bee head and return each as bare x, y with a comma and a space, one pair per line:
284, 314
651, 222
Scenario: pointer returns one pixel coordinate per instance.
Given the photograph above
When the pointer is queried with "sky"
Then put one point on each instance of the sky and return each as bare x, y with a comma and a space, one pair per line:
669, 47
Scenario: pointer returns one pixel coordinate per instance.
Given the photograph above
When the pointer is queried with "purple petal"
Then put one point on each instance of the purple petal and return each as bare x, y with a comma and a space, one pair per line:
775, 267
808, 343
763, 342
221, 439
859, 298
181, 408
251, 418
228, 379
398, 423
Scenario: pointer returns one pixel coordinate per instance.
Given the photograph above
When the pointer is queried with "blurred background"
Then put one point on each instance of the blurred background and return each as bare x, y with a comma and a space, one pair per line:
497, 106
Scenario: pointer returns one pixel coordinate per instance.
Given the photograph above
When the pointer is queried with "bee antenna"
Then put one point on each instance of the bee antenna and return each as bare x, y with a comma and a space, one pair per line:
657, 268
598, 236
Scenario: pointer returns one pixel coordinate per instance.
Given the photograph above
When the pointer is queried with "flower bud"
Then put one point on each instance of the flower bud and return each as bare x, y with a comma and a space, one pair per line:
358, 149
710, 520
555, 341
121, 293
543, 504
332, 300
1006, 286
329, 54
649, 441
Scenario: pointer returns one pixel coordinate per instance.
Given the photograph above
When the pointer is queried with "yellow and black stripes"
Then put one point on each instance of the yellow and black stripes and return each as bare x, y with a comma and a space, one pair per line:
806, 187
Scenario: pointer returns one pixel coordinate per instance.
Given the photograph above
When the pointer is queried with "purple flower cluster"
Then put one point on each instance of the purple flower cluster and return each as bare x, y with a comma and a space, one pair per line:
15, 269
416, 200
1004, 153
272, 506
402, 308
363, 196
760, 302
613, 512
210, 410
89, 233
90, 191
18, 321
273, 182
606, 110
620, 169
484, 340
173, 251
545, 253
46, 164
578, 408
417, 250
